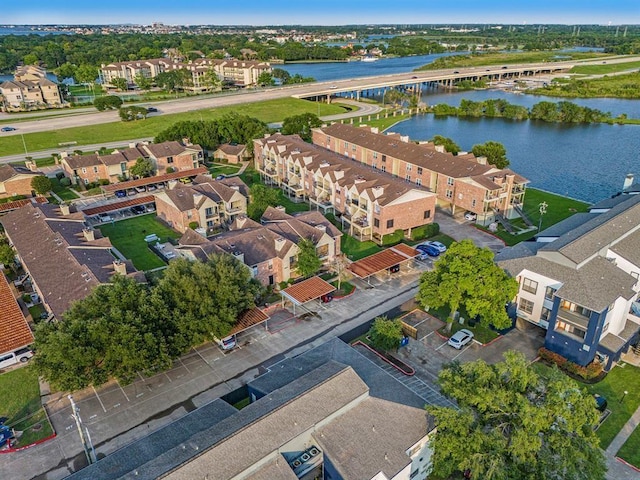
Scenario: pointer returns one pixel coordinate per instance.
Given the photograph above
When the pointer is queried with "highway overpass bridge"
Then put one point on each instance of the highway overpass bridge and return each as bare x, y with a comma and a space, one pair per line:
417, 81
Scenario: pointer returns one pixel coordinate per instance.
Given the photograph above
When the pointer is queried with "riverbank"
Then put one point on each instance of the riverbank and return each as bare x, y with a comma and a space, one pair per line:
625, 86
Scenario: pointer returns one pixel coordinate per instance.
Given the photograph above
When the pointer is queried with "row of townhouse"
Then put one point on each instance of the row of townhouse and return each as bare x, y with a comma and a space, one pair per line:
372, 203
461, 183
116, 166
64, 259
241, 73
30, 88
579, 282
270, 248
208, 203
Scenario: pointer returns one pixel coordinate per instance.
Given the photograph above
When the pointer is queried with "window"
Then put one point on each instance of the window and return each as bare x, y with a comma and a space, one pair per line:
408, 177
473, 203
384, 158
450, 181
86, 181
390, 223
208, 211
419, 170
376, 223
84, 170
169, 159
95, 169
427, 214
346, 145
529, 285
448, 194
525, 306
418, 181
375, 154
408, 167
353, 148
545, 314
565, 327
375, 165
549, 293
384, 168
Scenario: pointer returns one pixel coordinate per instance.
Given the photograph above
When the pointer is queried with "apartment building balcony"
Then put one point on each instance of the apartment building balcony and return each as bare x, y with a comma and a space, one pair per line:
234, 210
573, 318
268, 170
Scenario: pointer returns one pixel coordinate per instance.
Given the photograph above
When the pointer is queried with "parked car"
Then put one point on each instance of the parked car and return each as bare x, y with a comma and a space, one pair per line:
226, 343
440, 246
601, 403
150, 207
394, 269
103, 217
8, 129
131, 191
470, 216
151, 188
121, 193
138, 209
152, 110
326, 298
460, 338
141, 189
429, 250
23, 355
220, 177
333, 87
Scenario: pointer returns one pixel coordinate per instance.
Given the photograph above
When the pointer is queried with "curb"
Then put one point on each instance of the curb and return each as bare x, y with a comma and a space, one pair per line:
19, 449
492, 234
627, 464
347, 295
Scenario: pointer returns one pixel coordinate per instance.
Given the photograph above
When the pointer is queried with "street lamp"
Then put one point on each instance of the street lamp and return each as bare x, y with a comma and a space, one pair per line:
623, 395
543, 209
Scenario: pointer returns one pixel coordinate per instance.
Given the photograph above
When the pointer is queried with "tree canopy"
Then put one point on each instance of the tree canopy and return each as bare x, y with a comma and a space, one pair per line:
514, 424
125, 327
301, 125
386, 334
142, 168
107, 102
448, 144
494, 151
261, 198
41, 184
466, 276
308, 261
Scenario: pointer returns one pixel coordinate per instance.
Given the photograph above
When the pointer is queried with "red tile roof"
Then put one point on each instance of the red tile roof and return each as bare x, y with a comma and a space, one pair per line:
308, 290
118, 205
7, 207
382, 260
141, 182
14, 331
249, 318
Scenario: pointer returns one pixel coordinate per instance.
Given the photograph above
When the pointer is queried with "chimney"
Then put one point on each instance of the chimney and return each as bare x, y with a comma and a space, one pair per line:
279, 243
171, 184
282, 209
65, 209
481, 160
404, 138
375, 130
439, 148
186, 142
197, 198
89, 234
64, 154
120, 267
322, 228
132, 145
239, 256
235, 187
628, 181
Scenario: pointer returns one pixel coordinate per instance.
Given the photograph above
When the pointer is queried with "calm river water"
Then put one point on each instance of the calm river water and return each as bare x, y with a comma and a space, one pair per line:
588, 162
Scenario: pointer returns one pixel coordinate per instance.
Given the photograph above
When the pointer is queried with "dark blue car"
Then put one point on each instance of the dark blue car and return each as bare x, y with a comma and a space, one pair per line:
429, 250
121, 193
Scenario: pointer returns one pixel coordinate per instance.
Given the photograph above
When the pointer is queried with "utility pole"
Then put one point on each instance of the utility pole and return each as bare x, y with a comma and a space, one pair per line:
24, 144
84, 433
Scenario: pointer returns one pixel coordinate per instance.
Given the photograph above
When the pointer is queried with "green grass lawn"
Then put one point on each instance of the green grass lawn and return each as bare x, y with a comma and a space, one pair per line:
604, 68
345, 288
224, 169
65, 193
36, 311
268, 111
355, 250
291, 206
630, 451
22, 405
128, 237
558, 208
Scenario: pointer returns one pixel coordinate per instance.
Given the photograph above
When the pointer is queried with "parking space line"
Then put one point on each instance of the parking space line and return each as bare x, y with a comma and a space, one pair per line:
203, 359
99, 399
428, 334
463, 350
165, 374
442, 345
182, 363
123, 392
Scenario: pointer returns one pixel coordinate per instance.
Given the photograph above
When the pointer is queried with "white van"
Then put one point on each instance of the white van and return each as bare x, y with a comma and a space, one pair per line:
23, 355
227, 343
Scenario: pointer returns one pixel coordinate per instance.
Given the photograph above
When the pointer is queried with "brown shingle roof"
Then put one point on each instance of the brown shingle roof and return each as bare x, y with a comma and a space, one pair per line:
7, 172
83, 161
308, 290
14, 331
170, 148
230, 149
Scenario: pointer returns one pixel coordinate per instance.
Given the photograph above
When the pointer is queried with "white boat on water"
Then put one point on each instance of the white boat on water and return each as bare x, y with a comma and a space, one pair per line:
369, 58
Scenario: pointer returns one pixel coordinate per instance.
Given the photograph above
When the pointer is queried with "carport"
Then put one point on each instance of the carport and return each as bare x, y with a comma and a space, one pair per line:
248, 319
387, 259
144, 182
112, 207
306, 291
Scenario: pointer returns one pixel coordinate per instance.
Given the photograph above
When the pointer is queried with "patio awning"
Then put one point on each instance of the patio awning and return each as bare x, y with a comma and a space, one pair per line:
307, 290
384, 260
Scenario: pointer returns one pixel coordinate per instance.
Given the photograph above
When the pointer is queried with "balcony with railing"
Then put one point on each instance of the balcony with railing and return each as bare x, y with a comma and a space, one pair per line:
574, 318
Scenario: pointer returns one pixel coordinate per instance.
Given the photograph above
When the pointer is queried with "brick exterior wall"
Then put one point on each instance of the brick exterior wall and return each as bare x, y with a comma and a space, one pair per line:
178, 163
172, 216
18, 185
90, 174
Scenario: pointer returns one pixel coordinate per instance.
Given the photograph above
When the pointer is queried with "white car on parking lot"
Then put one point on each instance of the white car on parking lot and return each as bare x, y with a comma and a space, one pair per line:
460, 338
470, 216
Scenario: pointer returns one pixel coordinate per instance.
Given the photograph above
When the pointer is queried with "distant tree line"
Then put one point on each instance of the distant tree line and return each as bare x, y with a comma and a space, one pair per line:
561, 112
126, 328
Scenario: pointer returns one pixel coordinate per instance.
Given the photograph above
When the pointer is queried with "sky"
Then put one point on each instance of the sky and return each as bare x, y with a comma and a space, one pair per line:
325, 12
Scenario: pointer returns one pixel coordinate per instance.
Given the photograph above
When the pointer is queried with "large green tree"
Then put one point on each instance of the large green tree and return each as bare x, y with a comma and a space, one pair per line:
41, 184
261, 198
385, 334
7, 254
120, 83
206, 298
513, 424
117, 331
494, 151
448, 144
301, 125
142, 168
466, 276
308, 261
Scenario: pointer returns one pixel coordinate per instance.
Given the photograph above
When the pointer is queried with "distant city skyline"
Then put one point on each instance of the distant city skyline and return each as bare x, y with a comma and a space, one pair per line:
329, 12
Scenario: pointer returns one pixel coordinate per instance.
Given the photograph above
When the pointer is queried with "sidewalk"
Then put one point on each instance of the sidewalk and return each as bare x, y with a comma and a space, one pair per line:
617, 469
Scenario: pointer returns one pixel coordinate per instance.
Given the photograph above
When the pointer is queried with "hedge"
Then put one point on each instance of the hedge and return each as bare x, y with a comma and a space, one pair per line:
591, 371
425, 231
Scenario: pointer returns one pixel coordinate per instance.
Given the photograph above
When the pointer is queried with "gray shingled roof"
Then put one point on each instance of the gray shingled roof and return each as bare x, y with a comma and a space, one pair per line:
609, 202
566, 225
7, 172
599, 232
629, 248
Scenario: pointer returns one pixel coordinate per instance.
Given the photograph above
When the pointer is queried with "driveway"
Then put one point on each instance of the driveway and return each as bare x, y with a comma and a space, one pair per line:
459, 229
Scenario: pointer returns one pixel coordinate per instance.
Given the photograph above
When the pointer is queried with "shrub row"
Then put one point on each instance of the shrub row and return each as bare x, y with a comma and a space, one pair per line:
591, 371
425, 231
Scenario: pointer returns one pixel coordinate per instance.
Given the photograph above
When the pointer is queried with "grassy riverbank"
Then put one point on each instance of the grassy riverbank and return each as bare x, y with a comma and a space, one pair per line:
618, 86
604, 68
499, 58
269, 111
